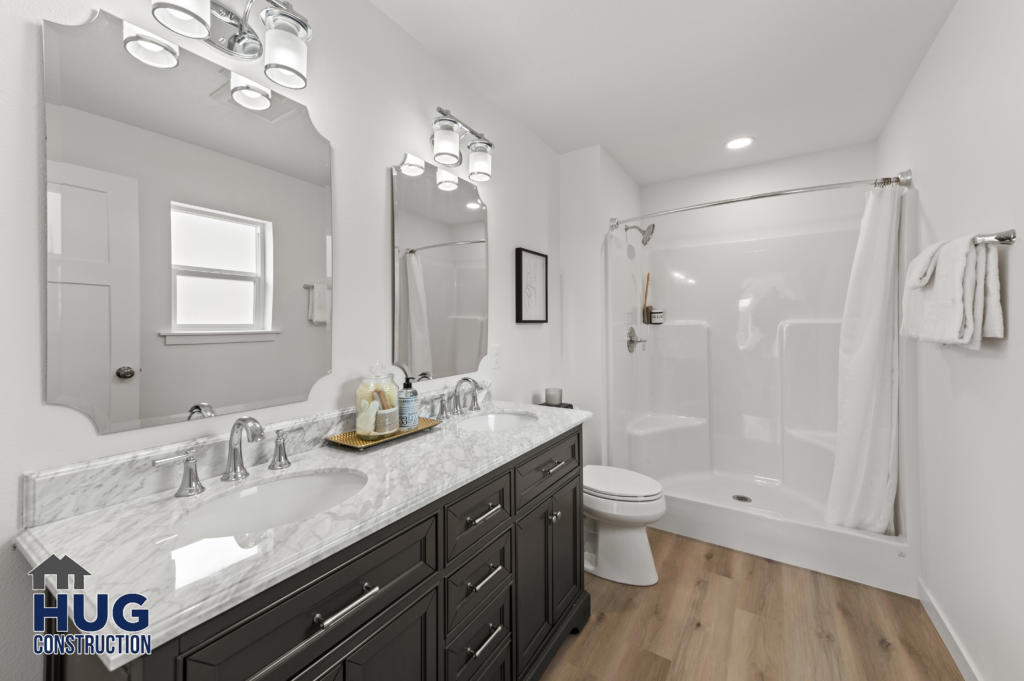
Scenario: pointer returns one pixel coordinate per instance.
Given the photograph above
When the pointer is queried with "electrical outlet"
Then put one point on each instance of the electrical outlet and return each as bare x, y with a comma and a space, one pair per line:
495, 356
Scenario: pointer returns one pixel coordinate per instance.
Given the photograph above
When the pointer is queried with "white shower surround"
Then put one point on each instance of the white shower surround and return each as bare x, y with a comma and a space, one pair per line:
737, 393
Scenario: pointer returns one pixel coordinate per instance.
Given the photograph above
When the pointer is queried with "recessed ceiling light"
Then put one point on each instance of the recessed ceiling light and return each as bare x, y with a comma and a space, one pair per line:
740, 143
473, 206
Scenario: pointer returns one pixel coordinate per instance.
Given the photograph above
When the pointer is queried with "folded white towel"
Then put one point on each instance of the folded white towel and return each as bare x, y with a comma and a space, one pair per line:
319, 310
952, 294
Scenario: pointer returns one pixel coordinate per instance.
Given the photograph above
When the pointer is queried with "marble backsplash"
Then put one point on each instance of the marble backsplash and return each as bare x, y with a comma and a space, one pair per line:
56, 493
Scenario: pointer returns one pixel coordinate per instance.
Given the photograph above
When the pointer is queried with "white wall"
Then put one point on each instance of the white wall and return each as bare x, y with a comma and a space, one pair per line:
959, 127
593, 189
373, 90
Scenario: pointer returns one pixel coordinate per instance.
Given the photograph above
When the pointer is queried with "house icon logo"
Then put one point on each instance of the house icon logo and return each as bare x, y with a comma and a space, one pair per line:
63, 568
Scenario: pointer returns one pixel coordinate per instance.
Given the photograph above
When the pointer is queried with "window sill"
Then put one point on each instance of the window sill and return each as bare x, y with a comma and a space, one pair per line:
209, 337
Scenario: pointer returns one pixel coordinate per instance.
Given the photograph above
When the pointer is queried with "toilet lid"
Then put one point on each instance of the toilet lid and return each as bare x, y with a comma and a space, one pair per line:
619, 483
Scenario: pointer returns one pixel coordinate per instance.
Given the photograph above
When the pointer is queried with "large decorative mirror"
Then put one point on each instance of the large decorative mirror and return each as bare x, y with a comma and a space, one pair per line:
188, 233
439, 238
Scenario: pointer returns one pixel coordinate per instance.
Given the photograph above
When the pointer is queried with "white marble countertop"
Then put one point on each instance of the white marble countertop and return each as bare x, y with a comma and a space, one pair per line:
132, 547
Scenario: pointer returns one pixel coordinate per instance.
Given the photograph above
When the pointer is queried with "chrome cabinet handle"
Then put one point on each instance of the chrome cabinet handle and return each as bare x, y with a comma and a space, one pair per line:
555, 516
495, 569
348, 609
554, 468
495, 631
125, 372
494, 508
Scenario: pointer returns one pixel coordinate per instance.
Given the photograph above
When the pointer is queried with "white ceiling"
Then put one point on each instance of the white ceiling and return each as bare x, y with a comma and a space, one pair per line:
664, 84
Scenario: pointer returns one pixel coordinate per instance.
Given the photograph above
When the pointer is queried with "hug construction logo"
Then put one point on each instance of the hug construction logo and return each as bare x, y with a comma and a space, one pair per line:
57, 641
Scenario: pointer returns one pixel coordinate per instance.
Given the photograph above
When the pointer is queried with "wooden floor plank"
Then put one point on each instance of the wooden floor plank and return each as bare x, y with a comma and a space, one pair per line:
703, 652
723, 615
812, 643
760, 586
757, 651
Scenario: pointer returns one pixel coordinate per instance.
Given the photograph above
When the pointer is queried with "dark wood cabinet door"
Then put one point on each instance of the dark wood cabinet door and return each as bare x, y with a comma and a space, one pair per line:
405, 650
565, 549
533, 581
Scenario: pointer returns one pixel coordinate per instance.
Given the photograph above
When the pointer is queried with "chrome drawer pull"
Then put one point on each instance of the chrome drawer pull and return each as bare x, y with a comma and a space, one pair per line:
348, 609
554, 468
555, 516
495, 569
494, 509
495, 631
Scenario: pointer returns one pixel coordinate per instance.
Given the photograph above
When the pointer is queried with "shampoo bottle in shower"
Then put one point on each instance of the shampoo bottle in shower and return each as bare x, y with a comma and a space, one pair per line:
408, 406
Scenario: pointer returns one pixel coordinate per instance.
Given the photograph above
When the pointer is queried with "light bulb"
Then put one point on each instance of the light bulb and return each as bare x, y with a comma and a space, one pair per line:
190, 18
480, 160
446, 181
447, 134
249, 94
148, 48
412, 166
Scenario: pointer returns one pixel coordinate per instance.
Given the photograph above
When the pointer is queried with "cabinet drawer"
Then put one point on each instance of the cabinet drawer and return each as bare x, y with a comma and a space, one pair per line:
289, 636
474, 648
536, 475
477, 515
500, 667
474, 583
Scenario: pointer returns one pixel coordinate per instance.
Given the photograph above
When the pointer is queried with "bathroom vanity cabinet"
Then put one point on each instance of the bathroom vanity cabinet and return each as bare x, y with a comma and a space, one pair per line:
483, 584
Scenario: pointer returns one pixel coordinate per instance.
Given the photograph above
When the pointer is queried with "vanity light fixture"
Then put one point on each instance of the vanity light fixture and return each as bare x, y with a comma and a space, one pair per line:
148, 48
445, 144
446, 181
287, 34
249, 94
412, 166
480, 160
739, 143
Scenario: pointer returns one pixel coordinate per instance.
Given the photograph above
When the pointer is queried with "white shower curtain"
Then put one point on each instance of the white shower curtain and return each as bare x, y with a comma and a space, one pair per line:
419, 327
863, 487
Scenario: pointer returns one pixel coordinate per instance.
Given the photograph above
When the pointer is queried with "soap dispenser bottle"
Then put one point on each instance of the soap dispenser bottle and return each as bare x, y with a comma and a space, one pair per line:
408, 406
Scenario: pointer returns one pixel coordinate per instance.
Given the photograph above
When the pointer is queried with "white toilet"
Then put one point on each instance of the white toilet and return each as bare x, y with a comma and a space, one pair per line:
619, 505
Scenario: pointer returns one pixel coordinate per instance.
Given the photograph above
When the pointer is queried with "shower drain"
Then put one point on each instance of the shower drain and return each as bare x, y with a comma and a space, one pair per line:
740, 497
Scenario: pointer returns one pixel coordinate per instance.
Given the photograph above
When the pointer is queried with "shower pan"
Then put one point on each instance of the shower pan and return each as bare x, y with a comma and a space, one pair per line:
732, 402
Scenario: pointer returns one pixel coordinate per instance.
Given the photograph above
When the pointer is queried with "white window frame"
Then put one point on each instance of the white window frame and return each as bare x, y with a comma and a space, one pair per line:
262, 279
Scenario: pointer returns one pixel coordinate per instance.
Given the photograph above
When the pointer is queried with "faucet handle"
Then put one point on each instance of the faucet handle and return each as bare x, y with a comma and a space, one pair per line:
442, 408
190, 485
280, 460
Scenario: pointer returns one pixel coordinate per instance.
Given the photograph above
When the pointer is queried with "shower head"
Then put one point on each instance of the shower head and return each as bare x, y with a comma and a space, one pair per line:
645, 234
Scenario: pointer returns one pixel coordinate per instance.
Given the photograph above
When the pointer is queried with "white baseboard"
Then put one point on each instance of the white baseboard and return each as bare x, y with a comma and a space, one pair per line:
949, 637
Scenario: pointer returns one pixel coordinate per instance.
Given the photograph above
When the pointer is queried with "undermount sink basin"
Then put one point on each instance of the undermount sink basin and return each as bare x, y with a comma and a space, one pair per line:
270, 504
496, 423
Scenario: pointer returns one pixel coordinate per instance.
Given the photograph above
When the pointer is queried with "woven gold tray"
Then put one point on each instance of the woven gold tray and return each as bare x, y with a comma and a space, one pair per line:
350, 439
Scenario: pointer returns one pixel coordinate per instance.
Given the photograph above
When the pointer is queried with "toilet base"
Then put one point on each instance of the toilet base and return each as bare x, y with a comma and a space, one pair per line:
619, 553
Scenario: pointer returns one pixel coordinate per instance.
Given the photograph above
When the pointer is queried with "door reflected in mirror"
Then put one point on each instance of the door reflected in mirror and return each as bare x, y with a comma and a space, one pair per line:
182, 230
439, 240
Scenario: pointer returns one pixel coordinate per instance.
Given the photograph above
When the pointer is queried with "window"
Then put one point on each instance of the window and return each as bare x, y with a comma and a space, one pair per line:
221, 266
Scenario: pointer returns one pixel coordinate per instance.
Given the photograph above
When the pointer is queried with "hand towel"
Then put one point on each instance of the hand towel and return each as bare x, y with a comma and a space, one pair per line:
319, 304
934, 311
993, 324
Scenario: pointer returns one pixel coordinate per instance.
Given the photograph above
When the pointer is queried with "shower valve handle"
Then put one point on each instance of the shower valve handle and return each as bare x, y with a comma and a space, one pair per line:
632, 339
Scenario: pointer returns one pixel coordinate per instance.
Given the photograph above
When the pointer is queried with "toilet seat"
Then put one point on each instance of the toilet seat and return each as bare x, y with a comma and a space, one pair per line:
619, 484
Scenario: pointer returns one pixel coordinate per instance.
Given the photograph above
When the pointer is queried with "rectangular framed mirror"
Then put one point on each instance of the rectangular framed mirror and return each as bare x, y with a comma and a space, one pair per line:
183, 224
439, 243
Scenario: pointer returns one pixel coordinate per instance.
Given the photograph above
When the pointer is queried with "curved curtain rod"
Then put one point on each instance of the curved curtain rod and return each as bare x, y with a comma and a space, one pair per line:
903, 179
450, 243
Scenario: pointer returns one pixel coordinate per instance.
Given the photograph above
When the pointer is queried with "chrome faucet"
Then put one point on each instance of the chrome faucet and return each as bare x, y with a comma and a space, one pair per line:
457, 396
235, 469
203, 410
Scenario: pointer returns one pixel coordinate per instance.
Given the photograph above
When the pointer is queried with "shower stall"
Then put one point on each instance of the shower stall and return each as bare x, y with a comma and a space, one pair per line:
731, 403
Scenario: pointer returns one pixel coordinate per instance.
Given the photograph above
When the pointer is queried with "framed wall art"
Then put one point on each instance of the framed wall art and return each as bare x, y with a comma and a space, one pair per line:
531, 287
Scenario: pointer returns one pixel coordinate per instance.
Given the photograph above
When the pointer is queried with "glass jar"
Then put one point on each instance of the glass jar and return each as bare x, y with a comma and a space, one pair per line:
378, 388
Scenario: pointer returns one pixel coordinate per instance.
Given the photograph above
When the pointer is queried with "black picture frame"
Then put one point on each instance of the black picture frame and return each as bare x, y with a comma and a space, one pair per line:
527, 303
